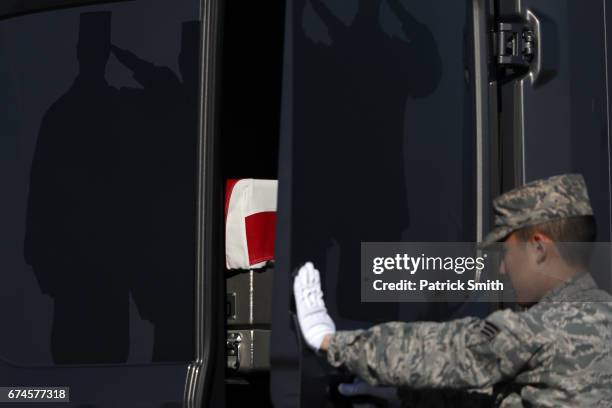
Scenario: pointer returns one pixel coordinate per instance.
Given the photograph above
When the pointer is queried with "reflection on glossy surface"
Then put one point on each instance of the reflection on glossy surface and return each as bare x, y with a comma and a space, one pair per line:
73, 210
106, 217
381, 143
351, 95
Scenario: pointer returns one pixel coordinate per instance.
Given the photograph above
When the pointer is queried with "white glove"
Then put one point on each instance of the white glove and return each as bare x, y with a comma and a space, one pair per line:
360, 388
315, 323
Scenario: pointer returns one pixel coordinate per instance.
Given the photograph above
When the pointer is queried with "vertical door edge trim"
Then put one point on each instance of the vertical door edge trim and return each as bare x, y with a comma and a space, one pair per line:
479, 32
608, 117
202, 368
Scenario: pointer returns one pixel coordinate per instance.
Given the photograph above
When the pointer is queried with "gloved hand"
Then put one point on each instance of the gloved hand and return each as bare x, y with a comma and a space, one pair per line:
360, 388
312, 315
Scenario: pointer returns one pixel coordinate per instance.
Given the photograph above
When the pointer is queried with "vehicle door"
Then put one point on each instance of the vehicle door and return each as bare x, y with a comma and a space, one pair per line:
99, 125
384, 138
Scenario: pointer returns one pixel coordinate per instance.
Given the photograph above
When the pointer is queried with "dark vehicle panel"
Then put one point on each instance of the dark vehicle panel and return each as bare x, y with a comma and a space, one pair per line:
376, 145
99, 156
555, 117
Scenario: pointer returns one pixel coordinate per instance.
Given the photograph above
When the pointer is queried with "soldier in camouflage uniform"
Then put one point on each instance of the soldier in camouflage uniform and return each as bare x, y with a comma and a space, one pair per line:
555, 353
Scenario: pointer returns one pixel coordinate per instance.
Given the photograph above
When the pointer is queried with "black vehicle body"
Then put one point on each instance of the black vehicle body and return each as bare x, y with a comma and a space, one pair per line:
383, 120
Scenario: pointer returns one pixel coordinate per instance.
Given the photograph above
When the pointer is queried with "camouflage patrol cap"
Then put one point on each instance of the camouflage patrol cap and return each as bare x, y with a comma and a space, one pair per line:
537, 202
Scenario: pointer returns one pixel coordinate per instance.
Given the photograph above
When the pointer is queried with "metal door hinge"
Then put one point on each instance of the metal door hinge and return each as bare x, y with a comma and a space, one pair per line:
514, 44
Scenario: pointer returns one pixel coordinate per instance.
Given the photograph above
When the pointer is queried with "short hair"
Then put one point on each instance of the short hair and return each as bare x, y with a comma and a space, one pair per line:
570, 229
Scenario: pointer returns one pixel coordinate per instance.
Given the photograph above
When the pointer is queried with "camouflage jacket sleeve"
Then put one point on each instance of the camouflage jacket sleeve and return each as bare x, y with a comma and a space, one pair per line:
460, 354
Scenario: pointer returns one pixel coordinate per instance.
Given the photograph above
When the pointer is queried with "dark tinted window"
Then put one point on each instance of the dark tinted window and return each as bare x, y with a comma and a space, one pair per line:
98, 151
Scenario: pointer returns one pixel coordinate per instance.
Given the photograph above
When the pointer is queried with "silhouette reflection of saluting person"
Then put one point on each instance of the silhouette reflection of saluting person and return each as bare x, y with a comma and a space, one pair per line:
351, 115
162, 194
73, 210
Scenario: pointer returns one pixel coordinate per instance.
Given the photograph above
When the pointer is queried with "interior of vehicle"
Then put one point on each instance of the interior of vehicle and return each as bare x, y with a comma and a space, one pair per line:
250, 99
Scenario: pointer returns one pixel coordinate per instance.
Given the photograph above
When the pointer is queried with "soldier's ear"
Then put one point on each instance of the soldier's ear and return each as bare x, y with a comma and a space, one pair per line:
541, 246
